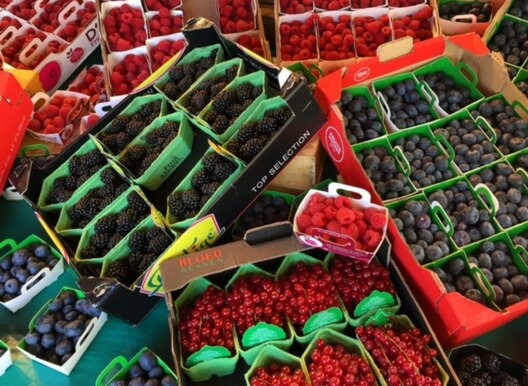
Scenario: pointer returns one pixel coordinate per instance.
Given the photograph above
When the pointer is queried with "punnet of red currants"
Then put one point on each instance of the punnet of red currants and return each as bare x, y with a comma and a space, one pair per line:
277, 374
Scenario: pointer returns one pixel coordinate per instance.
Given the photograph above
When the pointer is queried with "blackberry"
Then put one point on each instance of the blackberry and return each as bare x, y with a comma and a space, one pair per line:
176, 73
76, 166
244, 92
223, 100
100, 242
198, 101
109, 176
137, 241
210, 160
106, 224
191, 198
58, 195
89, 252
200, 178
172, 91
75, 215
204, 86
134, 127
217, 88
221, 124
247, 131
149, 109
252, 147
281, 115
147, 162
471, 364
89, 206
145, 262
268, 126
121, 141
231, 73
93, 158
476, 381
223, 170
234, 110
134, 260
255, 93
119, 270
185, 83
190, 213
491, 363
502, 378
210, 116
126, 221
133, 155
118, 124
203, 200
158, 244
175, 204
209, 189
160, 135
136, 202
114, 240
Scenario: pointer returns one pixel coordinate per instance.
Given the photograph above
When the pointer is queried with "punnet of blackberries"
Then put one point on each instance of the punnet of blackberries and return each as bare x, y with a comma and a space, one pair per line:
511, 41
139, 157
203, 93
186, 203
124, 128
362, 122
481, 11
80, 169
145, 245
495, 260
385, 173
227, 106
509, 188
471, 220
147, 371
96, 199
510, 130
57, 331
182, 75
407, 107
451, 96
19, 267
110, 229
426, 240
471, 146
487, 368
266, 209
254, 135
455, 276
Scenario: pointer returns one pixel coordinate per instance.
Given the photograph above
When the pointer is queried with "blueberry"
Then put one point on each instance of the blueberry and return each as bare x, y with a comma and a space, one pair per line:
72, 315
34, 267
22, 276
500, 273
2, 290
65, 358
45, 324
511, 299
156, 372
20, 257
455, 266
68, 297
64, 347
136, 371
36, 349
74, 328
120, 382
48, 340
433, 252
461, 238
506, 286
12, 286
59, 326
168, 380
32, 338
498, 258
42, 251
484, 260
520, 283
138, 381
147, 360
463, 283
488, 274
56, 305
153, 382
6, 264
474, 294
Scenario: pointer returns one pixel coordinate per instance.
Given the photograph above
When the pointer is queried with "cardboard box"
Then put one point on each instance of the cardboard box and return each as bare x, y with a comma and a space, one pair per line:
219, 263
455, 318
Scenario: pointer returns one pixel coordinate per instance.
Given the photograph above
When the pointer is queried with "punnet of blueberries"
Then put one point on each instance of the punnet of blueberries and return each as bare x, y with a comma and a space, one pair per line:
57, 331
146, 372
19, 267
481, 10
451, 96
511, 41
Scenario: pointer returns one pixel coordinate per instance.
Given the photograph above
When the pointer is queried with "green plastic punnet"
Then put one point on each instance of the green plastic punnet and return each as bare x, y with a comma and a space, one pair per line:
177, 225
214, 73
496, 27
118, 368
333, 317
61, 171
89, 334
261, 334
273, 355
217, 362
65, 226
172, 155
256, 79
43, 278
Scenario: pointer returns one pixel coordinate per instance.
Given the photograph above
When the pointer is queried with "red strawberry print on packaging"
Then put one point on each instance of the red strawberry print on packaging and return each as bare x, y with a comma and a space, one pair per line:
236, 15
336, 41
340, 224
125, 28
371, 33
297, 39
292, 7
417, 25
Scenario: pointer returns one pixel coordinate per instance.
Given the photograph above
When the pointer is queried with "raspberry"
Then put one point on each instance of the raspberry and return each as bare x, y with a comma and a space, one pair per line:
316, 207
371, 238
241, 26
127, 17
330, 212
34, 125
386, 31
51, 111
123, 45
116, 77
373, 27
164, 12
362, 226
303, 222
333, 226
414, 24
352, 231
59, 121
342, 202
319, 220
345, 216
378, 220
164, 46
242, 13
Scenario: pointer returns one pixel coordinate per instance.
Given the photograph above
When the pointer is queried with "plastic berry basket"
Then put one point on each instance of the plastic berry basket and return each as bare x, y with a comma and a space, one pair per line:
214, 73
89, 334
494, 30
332, 317
170, 157
216, 360
65, 225
351, 346
192, 56
43, 278
260, 334
377, 300
273, 355
5, 358
463, 22
179, 225
61, 171
118, 368
256, 79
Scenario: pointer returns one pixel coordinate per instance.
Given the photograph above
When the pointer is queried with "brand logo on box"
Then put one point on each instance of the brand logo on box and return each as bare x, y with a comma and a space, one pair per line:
361, 74
335, 144
208, 257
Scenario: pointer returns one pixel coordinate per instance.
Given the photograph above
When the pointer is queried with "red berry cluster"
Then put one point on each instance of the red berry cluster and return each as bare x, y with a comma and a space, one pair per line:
417, 26
332, 365
296, 6
129, 74
331, 5
297, 40
278, 375
164, 23
307, 290
91, 84
404, 3
156, 5
52, 118
252, 43
403, 357
236, 15
52, 47
207, 322
336, 41
24, 9
125, 28
361, 4
91, 120
12, 51
356, 280
48, 20
8, 21
163, 51
370, 33
255, 299
337, 215
74, 28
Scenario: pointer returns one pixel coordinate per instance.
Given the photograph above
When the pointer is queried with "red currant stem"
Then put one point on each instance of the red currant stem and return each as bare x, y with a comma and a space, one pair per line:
402, 351
306, 298
424, 347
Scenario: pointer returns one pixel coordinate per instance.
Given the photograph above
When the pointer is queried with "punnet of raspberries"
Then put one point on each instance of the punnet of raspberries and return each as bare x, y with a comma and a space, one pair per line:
366, 226
163, 51
417, 26
129, 74
25, 9
156, 5
371, 33
236, 15
360, 4
125, 28
251, 42
58, 112
297, 39
91, 83
331, 5
336, 41
295, 6
165, 23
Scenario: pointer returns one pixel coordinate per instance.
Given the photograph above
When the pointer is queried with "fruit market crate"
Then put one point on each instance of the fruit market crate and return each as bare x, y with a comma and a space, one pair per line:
42, 276
145, 359
5, 358
72, 351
